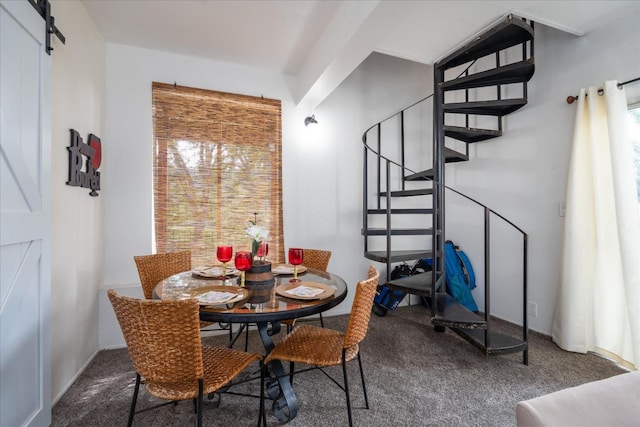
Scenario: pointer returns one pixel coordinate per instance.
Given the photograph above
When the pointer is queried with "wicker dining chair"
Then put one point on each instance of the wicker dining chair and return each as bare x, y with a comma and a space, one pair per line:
325, 347
163, 339
318, 260
157, 267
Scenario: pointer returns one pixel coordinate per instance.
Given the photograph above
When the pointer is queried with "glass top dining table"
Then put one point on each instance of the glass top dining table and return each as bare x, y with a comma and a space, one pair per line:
264, 307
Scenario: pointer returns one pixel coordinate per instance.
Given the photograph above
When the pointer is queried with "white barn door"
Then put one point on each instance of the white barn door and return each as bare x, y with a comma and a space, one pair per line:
25, 217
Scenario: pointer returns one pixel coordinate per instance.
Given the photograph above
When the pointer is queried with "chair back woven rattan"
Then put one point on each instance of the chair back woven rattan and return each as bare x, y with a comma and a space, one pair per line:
163, 339
361, 310
317, 259
172, 327
156, 267
325, 347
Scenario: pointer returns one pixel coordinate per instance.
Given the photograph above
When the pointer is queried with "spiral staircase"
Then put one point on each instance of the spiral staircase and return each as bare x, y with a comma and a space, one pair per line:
404, 209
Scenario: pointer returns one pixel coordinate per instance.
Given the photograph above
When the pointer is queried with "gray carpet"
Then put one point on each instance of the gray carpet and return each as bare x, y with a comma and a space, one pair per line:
415, 377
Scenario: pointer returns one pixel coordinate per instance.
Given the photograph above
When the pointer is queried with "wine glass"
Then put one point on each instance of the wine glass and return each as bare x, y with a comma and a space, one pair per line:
243, 263
295, 258
224, 254
263, 251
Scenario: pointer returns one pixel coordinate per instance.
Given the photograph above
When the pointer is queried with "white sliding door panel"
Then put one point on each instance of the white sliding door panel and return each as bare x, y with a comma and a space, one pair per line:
25, 218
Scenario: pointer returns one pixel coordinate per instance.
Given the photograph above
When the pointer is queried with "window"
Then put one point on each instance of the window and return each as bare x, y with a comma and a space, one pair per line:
216, 166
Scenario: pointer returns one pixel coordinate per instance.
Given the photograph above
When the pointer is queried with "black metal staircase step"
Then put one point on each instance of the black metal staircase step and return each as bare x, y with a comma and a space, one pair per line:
420, 176
408, 193
510, 32
452, 314
397, 231
498, 343
451, 156
401, 211
418, 284
498, 108
470, 135
397, 256
518, 72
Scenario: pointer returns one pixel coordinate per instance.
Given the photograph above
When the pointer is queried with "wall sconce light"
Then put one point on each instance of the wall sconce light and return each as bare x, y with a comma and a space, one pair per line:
310, 119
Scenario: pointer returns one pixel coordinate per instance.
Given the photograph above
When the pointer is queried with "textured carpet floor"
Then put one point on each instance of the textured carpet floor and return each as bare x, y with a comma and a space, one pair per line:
415, 377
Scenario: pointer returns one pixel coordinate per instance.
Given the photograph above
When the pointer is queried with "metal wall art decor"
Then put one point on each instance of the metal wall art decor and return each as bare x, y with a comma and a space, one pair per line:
92, 151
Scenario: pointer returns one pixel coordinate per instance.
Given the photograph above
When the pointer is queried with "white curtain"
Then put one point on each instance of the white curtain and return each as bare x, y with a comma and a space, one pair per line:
598, 305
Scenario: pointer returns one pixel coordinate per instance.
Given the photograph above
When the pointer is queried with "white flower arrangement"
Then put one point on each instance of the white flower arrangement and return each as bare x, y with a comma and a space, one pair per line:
257, 233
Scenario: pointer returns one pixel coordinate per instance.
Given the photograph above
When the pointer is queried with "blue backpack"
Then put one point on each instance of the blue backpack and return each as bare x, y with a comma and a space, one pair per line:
387, 299
460, 276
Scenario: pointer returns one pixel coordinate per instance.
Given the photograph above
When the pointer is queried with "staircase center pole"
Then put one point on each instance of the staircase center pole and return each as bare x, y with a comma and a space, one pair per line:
438, 185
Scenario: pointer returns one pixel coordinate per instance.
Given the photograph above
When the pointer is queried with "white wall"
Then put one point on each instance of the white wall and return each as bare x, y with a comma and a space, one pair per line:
523, 173
77, 233
378, 88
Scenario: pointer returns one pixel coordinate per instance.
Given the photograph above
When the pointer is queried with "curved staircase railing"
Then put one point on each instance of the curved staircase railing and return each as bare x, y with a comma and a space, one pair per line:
445, 312
391, 177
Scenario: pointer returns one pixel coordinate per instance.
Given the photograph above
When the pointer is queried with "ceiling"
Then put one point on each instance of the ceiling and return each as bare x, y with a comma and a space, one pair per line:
320, 42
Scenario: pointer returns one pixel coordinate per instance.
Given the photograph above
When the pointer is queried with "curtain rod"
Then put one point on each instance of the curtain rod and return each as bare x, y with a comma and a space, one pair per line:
571, 99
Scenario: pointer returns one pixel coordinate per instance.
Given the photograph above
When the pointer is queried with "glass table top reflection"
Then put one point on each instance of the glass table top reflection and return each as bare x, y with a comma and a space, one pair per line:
248, 304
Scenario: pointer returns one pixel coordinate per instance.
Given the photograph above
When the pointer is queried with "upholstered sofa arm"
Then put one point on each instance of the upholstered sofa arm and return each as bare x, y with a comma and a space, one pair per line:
613, 401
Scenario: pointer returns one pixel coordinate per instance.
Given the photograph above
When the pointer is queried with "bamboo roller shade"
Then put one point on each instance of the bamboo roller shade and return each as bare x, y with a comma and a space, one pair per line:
216, 161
